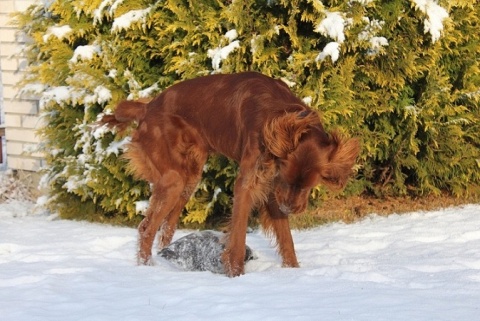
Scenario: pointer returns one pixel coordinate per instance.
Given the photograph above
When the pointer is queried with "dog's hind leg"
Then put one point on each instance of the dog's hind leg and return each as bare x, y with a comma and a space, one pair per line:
164, 199
170, 223
172, 158
194, 174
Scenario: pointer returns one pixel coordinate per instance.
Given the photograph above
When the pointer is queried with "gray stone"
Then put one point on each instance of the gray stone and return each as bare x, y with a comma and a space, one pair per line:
199, 251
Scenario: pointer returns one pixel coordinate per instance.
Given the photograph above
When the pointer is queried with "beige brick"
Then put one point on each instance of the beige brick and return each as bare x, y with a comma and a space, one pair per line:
26, 95
25, 107
24, 163
5, 19
22, 5
12, 92
31, 122
9, 92
7, 6
9, 35
30, 149
11, 77
23, 149
13, 120
10, 49
21, 135
15, 148
13, 63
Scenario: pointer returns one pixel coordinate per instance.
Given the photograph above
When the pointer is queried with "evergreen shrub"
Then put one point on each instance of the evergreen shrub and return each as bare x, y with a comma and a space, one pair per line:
402, 75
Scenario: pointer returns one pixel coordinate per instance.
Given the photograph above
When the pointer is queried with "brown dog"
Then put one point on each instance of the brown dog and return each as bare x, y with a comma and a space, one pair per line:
279, 143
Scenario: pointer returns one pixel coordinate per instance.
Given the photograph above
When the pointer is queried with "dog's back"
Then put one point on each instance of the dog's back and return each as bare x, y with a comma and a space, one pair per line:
227, 110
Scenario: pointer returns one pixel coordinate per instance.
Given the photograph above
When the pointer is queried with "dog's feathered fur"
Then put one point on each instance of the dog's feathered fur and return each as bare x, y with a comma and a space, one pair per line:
279, 143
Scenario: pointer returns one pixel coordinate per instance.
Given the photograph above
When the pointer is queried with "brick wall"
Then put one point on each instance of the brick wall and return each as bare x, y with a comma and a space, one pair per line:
19, 114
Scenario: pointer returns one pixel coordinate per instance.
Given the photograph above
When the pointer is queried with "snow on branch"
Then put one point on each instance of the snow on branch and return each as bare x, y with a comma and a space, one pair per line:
85, 53
332, 26
369, 34
231, 35
125, 21
99, 13
363, 2
332, 50
100, 95
435, 16
58, 31
58, 94
221, 53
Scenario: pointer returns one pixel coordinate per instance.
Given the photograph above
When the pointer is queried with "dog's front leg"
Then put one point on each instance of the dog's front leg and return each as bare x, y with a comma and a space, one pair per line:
276, 223
234, 254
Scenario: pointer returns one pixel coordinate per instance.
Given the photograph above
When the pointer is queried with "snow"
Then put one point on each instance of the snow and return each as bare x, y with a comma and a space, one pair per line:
149, 91
363, 2
101, 10
116, 146
307, 100
136, 93
58, 31
231, 35
332, 26
34, 89
417, 266
124, 21
436, 14
75, 182
85, 53
101, 95
112, 73
378, 42
58, 94
221, 53
332, 50
256, 43
289, 83
141, 206
369, 33
74, 95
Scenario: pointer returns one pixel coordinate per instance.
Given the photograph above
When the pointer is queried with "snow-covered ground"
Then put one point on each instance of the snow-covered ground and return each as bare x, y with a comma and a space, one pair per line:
420, 266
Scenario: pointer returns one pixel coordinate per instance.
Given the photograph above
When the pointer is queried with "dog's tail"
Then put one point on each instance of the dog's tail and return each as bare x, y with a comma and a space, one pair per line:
126, 112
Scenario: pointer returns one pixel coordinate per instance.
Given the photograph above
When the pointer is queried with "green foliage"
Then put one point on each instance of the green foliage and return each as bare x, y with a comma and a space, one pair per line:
379, 70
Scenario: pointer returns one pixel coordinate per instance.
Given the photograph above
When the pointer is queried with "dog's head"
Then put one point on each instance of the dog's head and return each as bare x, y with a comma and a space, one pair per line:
307, 156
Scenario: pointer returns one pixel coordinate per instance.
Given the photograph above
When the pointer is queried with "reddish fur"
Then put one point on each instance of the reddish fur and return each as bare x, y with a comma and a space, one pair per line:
279, 143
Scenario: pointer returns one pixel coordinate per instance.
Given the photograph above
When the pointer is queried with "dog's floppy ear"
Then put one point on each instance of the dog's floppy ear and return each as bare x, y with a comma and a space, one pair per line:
340, 161
282, 134
346, 151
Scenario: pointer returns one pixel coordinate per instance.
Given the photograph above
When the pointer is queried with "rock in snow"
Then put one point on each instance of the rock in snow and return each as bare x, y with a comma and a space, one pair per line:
199, 251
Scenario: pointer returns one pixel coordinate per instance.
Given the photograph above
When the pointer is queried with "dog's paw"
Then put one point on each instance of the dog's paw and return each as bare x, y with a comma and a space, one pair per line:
233, 266
148, 261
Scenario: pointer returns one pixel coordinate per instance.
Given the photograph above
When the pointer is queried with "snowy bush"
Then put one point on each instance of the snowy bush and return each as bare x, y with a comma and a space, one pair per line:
403, 75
